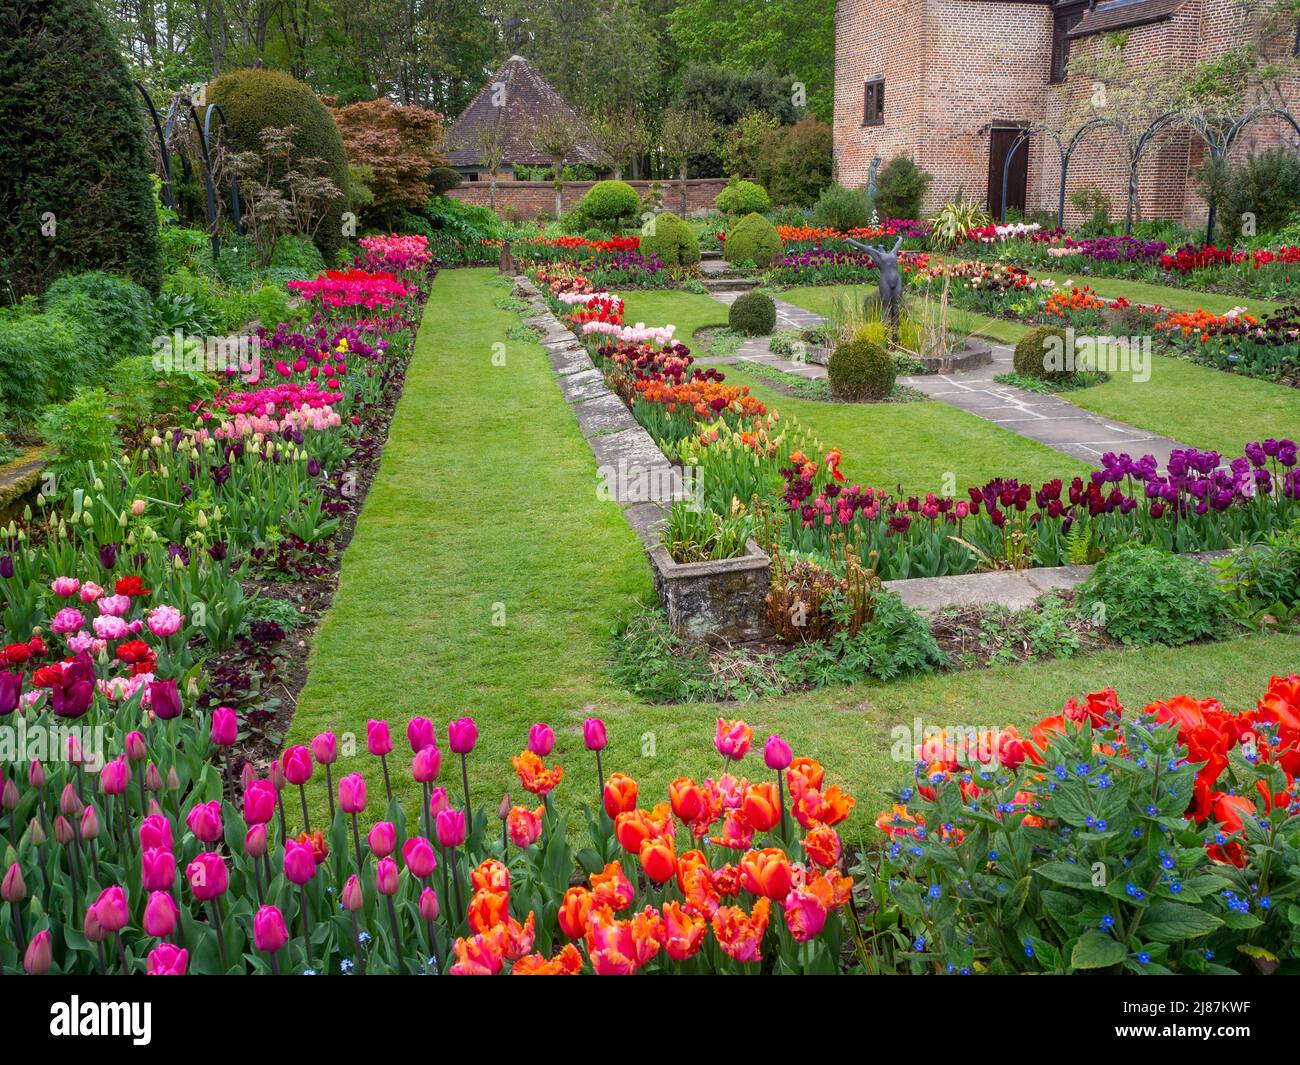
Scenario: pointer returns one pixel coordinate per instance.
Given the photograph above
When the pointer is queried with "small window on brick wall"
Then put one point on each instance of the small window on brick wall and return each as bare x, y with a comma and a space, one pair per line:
1064, 19
873, 103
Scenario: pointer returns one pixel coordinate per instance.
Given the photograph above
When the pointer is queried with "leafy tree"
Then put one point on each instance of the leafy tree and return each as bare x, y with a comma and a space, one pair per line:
684, 133
556, 136
727, 96
399, 146
626, 134
798, 163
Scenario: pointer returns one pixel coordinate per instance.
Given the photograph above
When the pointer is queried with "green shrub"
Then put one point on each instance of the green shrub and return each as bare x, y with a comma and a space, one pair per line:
612, 202
743, 197
141, 391
117, 312
672, 241
298, 254
81, 430
74, 148
1143, 595
798, 163
254, 99
842, 208
1266, 186
753, 314
860, 370
752, 240
900, 188
1265, 576
443, 179
896, 642
266, 304
1031, 355
43, 357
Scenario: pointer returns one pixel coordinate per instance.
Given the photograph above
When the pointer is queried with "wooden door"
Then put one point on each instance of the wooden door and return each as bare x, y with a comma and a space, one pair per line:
1001, 138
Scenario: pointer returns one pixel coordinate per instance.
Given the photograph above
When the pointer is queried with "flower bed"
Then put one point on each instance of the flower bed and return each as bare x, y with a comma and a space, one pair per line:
1152, 842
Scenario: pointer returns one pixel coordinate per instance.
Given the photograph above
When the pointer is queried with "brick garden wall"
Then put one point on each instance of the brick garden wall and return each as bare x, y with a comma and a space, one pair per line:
525, 199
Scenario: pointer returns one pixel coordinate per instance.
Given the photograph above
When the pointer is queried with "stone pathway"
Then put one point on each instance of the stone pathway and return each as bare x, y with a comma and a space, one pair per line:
1047, 419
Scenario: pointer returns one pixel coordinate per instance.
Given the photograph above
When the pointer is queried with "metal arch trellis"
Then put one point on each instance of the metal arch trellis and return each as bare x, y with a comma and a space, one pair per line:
1064, 149
203, 131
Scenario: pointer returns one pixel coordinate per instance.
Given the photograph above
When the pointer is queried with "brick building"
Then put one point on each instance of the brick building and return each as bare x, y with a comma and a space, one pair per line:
952, 82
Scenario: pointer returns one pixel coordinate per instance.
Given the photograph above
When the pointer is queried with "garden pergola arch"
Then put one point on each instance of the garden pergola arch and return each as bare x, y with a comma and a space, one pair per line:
1065, 150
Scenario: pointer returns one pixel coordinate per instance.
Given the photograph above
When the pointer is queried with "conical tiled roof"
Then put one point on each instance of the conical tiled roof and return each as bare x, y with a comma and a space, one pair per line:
520, 101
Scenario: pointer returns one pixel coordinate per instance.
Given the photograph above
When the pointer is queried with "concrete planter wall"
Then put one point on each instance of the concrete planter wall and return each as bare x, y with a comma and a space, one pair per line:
976, 353
719, 602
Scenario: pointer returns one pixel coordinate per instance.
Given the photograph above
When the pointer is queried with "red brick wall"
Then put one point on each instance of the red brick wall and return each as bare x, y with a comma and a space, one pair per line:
953, 67
524, 199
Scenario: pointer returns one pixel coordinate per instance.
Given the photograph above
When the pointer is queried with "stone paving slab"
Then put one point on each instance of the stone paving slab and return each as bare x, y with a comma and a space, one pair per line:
1016, 590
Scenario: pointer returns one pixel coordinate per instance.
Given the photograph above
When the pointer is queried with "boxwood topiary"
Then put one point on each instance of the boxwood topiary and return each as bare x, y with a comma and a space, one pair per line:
254, 99
861, 370
753, 314
671, 240
612, 202
743, 197
442, 179
1033, 352
752, 240
77, 191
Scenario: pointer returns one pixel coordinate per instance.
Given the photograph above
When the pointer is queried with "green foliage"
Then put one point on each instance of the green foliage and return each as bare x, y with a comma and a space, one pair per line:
613, 202
117, 312
842, 209
798, 163
753, 314
443, 179
895, 642
954, 220
1031, 354
1267, 186
743, 197
861, 369
80, 431
42, 358
255, 99
299, 255
1143, 595
73, 153
900, 188
1095, 205
142, 393
672, 241
700, 535
752, 240
1265, 577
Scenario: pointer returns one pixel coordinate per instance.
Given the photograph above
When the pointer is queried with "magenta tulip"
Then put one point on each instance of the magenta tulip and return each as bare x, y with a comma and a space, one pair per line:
297, 765
386, 877
207, 876
777, 753
451, 828
352, 794
167, 959
160, 915
260, 798
164, 699
114, 777
420, 733
155, 831
39, 956
255, 843
269, 931
111, 910
157, 869
13, 889
89, 823
438, 802
204, 820
541, 739
225, 726
426, 765
352, 897
299, 862
325, 748
462, 734
418, 856
382, 839
136, 749
429, 908
378, 740
593, 734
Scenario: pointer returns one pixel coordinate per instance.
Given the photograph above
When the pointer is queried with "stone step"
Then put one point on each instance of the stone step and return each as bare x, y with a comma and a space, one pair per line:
729, 284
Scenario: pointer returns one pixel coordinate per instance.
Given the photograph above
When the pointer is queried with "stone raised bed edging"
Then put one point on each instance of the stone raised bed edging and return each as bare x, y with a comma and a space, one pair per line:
718, 602
974, 355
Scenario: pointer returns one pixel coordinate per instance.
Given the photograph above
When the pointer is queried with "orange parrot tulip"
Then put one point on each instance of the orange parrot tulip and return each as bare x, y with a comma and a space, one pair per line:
767, 872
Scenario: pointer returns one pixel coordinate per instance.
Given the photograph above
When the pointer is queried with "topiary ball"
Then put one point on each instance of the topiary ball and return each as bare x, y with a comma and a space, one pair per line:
752, 240
254, 99
671, 240
861, 370
443, 179
610, 201
1040, 353
753, 314
743, 197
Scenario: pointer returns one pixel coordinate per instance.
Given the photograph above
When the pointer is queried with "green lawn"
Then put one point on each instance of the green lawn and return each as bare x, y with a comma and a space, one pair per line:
688, 311
486, 495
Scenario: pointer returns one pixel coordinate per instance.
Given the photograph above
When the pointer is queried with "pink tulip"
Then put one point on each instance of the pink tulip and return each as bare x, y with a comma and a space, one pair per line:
13, 889
64, 587
225, 726
593, 734
777, 753
155, 831
325, 748
115, 777
382, 839
136, 749
39, 956
259, 802
207, 876
157, 869
420, 733
36, 774
451, 828
352, 897
164, 621
111, 910
733, 741
438, 802
9, 795
297, 765
89, 823
269, 931
429, 908
255, 841
426, 765
386, 877
462, 734
69, 800
299, 862
378, 740
62, 830
91, 927
541, 740
204, 820
160, 915
167, 959
418, 856
352, 794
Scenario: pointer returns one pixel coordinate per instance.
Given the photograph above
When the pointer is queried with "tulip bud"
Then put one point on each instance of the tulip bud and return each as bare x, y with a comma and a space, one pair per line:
62, 830
36, 774
386, 877
152, 778
173, 781
246, 776
35, 833
40, 955
352, 897
69, 802
503, 811
89, 823
9, 798
13, 889
255, 841
136, 750
429, 905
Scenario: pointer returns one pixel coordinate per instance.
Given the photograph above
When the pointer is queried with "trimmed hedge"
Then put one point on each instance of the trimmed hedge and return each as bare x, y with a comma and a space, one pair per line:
1031, 354
255, 99
73, 146
610, 201
753, 314
861, 370
743, 197
672, 241
753, 239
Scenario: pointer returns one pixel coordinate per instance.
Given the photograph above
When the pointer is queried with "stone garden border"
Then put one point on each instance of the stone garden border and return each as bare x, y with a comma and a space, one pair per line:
974, 355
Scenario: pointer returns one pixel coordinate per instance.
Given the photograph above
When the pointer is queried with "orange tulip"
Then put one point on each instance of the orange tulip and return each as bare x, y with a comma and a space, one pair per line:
611, 888
741, 934
822, 845
620, 794
575, 909
828, 807
482, 955
683, 932
701, 895
804, 773
658, 859
762, 807
737, 832
726, 880
491, 875
534, 775
767, 872
619, 948
686, 798
524, 825
520, 937
487, 910
687, 863
634, 828
568, 962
